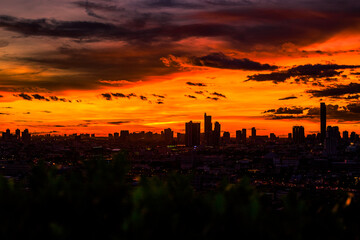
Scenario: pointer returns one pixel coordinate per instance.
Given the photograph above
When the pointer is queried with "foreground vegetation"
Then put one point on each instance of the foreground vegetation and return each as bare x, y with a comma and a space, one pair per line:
96, 201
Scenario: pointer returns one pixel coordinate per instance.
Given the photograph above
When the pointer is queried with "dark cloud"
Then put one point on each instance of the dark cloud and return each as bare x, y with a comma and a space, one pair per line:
158, 96
160, 102
303, 73
91, 7
289, 110
24, 96
269, 111
107, 96
143, 98
337, 90
46, 111
39, 97
190, 96
199, 92
1, 96
213, 98
279, 117
118, 122
220, 60
287, 98
269, 26
171, 4
218, 94
55, 98
1, 113
196, 84
121, 95
347, 113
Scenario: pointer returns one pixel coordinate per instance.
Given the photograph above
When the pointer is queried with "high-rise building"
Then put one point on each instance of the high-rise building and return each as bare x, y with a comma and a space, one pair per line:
216, 134
323, 121
192, 134
331, 140
243, 135
298, 134
238, 136
208, 130
168, 135
253, 133
345, 135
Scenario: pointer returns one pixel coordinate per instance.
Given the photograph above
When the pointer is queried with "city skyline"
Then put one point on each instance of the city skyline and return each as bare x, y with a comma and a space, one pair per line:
209, 136
101, 66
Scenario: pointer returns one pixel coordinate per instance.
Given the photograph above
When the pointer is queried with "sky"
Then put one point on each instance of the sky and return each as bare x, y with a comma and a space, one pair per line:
101, 66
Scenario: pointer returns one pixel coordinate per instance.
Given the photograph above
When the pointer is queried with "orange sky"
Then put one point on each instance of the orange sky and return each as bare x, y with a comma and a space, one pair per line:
100, 67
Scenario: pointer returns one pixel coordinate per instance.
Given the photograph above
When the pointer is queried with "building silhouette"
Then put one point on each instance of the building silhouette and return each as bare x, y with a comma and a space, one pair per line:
208, 130
298, 134
168, 135
26, 136
323, 121
124, 135
332, 140
238, 136
216, 134
226, 137
192, 134
243, 135
17, 134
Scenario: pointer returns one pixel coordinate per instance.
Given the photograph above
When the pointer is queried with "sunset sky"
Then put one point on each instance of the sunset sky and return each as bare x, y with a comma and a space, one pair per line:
102, 66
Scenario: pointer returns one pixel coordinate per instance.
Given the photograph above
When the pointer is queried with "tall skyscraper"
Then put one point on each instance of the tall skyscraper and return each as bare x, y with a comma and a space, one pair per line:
192, 134
253, 133
216, 134
208, 130
323, 121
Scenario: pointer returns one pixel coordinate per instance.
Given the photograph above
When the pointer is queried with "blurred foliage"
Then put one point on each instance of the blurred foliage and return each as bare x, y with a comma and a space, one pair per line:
97, 201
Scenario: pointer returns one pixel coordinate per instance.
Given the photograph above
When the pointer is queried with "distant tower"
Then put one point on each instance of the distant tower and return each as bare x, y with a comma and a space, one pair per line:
192, 134
238, 136
253, 133
323, 121
208, 129
217, 133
